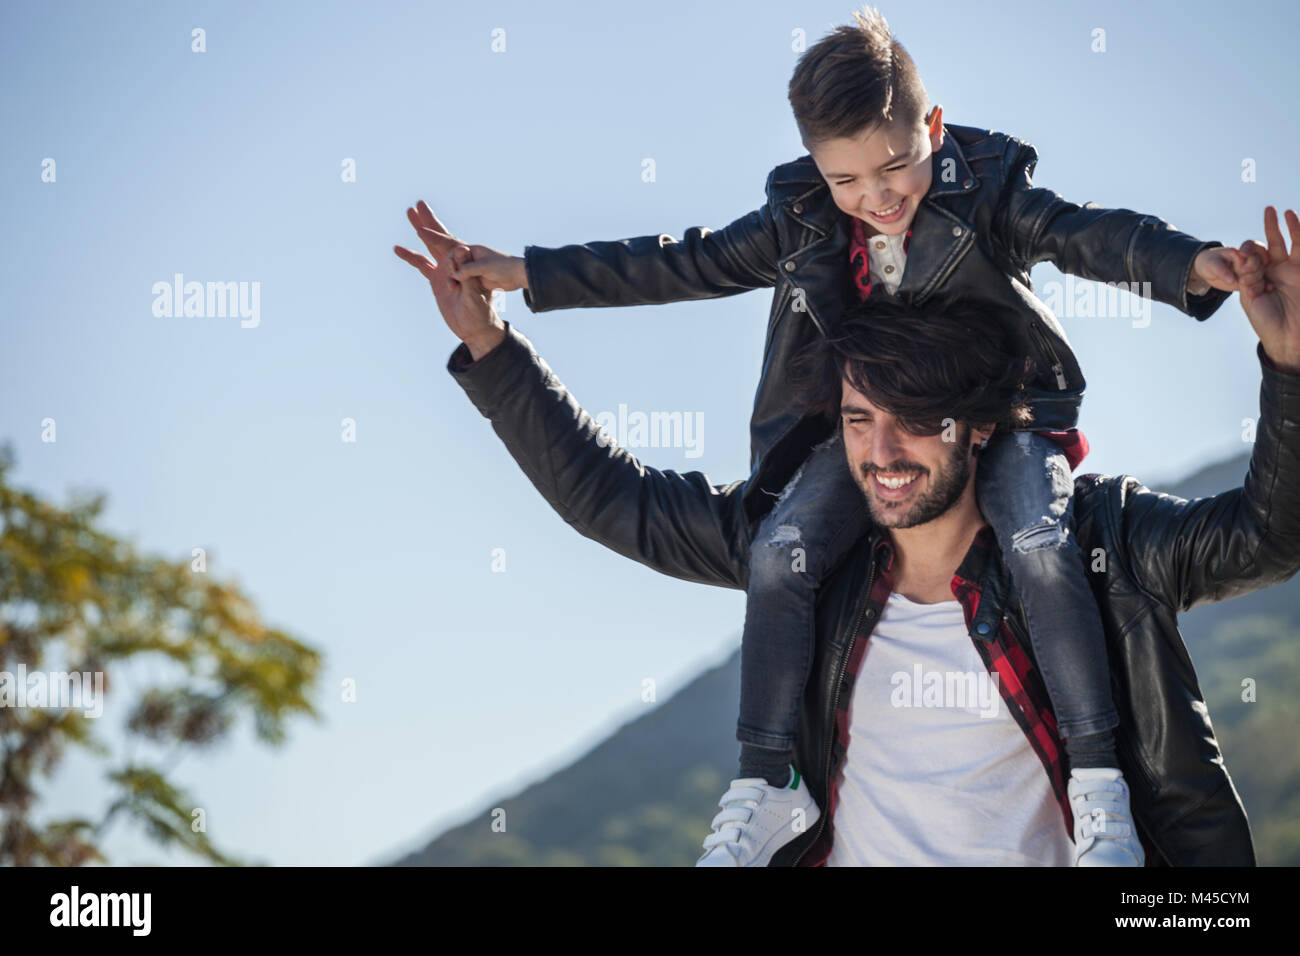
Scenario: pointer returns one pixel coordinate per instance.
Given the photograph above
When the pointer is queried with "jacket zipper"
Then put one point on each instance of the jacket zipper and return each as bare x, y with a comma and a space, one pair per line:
1057, 368
835, 703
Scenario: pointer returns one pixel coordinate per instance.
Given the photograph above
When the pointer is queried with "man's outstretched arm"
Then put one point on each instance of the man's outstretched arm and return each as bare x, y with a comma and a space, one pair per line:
677, 523
1195, 552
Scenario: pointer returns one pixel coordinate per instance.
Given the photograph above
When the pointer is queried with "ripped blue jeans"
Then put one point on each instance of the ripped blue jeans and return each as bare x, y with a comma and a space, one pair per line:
1025, 491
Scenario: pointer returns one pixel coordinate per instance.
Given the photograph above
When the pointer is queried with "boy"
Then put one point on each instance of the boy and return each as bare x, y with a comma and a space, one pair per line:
891, 202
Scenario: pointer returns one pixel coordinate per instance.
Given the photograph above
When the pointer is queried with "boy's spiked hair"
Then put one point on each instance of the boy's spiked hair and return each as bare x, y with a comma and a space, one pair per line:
855, 78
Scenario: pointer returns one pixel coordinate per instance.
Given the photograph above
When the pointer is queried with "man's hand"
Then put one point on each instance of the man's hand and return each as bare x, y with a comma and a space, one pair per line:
1270, 290
465, 306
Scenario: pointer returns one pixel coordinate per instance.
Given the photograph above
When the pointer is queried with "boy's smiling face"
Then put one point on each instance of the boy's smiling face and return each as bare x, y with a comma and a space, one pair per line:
882, 175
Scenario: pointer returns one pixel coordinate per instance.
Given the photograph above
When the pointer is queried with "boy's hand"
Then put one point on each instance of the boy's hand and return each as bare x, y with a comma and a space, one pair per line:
1270, 293
465, 306
1219, 268
1255, 259
494, 269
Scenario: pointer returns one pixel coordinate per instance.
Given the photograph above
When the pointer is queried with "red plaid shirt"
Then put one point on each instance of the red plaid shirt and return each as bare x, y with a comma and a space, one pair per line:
1073, 442
1018, 681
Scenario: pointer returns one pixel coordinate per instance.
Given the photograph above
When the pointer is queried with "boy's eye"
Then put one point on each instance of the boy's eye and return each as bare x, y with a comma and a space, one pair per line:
888, 169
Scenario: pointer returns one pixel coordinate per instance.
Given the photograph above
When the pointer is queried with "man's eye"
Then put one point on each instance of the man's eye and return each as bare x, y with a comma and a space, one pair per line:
857, 421
893, 169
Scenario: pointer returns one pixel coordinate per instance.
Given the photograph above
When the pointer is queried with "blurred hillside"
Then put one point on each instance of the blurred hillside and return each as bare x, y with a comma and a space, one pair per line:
645, 796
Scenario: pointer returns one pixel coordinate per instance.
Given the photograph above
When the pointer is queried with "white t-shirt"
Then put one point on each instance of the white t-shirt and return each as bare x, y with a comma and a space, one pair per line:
937, 772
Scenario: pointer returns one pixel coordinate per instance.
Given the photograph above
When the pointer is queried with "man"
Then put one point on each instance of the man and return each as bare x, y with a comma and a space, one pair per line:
928, 544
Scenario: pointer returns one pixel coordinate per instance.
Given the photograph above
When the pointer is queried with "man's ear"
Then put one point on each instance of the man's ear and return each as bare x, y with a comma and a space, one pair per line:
934, 123
981, 435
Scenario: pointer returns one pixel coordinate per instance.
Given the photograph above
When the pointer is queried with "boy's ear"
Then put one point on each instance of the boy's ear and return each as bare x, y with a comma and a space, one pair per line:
934, 123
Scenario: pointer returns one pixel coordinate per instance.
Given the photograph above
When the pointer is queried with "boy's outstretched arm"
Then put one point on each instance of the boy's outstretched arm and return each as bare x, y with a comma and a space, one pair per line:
1034, 224
644, 270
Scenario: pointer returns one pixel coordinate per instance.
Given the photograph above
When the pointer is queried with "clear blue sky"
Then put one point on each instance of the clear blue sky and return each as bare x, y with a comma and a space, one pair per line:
225, 166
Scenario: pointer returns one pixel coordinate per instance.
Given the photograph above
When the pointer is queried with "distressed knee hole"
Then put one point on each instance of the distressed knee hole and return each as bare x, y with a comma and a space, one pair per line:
785, 534
1049, 534
783, 552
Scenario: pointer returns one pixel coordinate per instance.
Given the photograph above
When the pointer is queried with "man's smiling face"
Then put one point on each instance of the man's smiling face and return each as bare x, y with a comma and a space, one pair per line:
881, 175
907, 479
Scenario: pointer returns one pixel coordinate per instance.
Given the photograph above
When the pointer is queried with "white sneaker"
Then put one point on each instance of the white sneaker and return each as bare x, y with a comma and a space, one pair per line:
757, 819
1104, 833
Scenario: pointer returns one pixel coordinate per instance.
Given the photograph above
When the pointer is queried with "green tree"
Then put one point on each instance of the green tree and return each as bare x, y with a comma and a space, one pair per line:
78, 600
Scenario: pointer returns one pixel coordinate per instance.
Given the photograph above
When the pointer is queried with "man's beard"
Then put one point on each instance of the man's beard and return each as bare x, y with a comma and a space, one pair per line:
944, 492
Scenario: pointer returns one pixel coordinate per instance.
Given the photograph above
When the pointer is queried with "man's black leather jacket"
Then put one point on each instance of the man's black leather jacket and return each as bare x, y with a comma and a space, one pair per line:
1163, 555
979, 229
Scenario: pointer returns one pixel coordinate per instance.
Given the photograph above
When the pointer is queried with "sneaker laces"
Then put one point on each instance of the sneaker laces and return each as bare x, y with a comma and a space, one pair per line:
738, 805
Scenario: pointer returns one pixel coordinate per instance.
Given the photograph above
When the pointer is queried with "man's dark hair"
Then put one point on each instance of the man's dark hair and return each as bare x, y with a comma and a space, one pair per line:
952, 360
855, 78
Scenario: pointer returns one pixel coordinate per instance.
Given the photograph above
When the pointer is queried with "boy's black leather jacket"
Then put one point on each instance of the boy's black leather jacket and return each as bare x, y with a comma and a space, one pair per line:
1163, 555
980, 228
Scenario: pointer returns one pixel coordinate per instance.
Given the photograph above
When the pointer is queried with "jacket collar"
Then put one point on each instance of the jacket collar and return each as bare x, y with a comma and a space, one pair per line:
983, 575
981, 582
940, 236
973, 567
951, 174
977, 559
